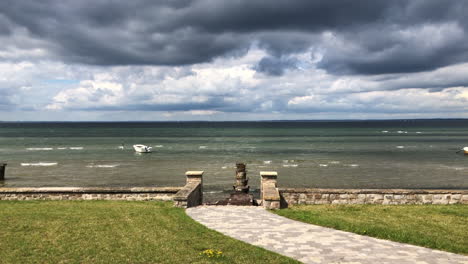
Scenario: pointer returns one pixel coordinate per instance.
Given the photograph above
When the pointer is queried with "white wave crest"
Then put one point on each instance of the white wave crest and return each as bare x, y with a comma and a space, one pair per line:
400, 147
76, 148
103, 166
290, 165
323, 165
267, 162
40, 148
202, 147
45, 164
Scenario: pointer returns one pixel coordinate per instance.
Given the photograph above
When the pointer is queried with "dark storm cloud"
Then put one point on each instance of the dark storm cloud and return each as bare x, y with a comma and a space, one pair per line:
275, 66
387, 50
376, 36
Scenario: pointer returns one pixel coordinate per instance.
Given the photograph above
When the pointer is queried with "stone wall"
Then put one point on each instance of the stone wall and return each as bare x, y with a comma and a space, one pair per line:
292, 196
189, 195
75, 193
192, 193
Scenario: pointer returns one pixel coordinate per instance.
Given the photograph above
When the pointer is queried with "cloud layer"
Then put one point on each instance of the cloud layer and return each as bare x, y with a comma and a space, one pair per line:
254, 59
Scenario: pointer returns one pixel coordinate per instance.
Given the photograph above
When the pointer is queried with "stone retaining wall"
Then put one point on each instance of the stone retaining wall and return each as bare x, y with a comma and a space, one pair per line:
189, 195
94, 193
292, 196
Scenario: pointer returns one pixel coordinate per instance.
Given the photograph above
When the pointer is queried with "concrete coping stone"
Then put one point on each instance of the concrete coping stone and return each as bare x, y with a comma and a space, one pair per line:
373, 191
194, 173
91, 190
272, 174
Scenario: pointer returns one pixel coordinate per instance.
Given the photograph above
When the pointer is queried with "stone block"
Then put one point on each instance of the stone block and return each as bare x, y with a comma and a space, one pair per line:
464, 199
271, 204
440, 201
361, 196
377, 196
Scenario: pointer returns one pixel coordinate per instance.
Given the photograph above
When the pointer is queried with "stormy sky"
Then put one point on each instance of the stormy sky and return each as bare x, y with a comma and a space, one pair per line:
232, 60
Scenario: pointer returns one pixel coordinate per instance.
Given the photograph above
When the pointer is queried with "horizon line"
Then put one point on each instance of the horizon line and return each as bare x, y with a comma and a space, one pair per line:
226, 121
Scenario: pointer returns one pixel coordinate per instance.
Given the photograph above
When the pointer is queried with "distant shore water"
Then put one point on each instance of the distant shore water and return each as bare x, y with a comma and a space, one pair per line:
327, 154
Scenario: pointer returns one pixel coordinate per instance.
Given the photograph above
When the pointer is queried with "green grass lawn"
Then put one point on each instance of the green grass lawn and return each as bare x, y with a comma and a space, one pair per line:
114, 232
443, 227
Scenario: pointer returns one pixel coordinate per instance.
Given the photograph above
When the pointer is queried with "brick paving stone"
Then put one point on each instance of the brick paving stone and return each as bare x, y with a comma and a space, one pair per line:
312, 244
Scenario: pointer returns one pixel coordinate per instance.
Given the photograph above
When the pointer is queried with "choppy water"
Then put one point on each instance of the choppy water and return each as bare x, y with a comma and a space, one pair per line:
352, 154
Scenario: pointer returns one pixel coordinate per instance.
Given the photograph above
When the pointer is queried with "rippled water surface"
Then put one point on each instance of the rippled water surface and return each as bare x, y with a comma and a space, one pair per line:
352, 154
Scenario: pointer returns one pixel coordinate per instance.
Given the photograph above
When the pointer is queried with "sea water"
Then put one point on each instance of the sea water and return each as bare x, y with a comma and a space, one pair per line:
326, 154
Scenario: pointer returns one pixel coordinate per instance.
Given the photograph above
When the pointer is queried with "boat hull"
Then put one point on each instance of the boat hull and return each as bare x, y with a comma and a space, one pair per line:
142, 149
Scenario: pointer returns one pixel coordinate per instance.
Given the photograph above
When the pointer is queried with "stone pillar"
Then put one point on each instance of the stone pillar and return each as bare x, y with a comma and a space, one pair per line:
192, 193
2, 171
270, 195
241, 179
195, 177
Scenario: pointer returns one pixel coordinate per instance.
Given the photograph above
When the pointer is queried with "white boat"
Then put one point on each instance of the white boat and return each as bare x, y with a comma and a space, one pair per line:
465, 150
142, 148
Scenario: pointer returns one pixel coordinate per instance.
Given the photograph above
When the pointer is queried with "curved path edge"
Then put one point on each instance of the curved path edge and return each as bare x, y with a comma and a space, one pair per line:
310, 243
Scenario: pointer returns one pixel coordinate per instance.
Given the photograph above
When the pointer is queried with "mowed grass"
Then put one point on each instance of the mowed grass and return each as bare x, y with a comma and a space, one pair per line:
443, 227
114, 232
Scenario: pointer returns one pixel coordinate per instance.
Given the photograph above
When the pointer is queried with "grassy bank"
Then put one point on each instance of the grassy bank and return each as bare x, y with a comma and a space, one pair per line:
435, 226
114, 232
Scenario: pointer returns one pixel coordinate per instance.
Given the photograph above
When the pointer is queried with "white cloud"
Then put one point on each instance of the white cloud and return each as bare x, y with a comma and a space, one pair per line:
225, 89
412, 101
90, 94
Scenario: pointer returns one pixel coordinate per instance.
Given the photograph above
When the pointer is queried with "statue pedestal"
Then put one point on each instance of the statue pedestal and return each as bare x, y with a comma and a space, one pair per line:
241, 195
240, 198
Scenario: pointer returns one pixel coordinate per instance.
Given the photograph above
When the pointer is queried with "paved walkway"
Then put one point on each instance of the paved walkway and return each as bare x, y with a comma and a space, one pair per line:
312, 244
